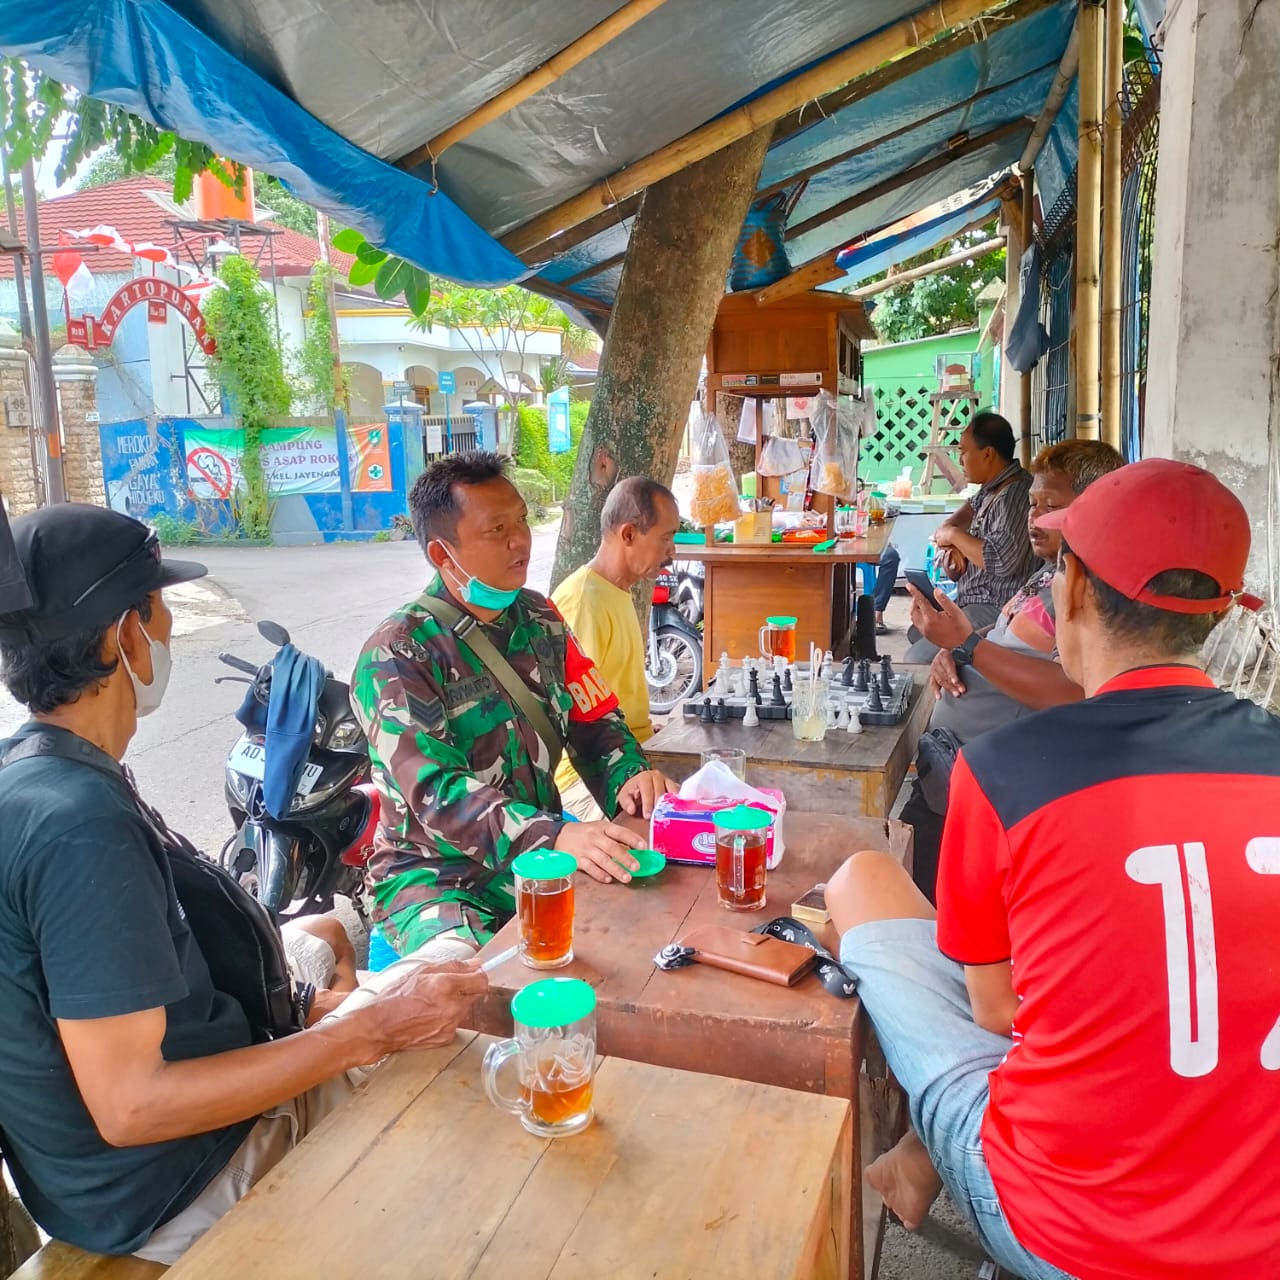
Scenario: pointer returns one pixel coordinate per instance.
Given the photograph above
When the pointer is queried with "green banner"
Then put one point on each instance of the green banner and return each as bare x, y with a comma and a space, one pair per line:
294, 460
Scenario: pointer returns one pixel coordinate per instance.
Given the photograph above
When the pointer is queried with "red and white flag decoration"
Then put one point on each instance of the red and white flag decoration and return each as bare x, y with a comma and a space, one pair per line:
77, 279
69, 267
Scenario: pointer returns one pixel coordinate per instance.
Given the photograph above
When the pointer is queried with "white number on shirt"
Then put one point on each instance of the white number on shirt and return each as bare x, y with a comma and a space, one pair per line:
1190, 954
1263, 855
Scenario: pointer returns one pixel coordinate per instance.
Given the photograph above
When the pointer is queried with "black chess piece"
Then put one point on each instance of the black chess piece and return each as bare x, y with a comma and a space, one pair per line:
886, 666
753, 691
885, 681
705, 714
846, 677
873, 698
777, 700
863, 679
786, 680
721, 713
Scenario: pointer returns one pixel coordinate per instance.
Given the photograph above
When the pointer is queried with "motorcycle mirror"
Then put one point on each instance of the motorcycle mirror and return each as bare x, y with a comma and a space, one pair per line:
273, 633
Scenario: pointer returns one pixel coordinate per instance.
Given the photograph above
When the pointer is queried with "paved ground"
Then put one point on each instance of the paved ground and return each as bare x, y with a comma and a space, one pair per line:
330, 598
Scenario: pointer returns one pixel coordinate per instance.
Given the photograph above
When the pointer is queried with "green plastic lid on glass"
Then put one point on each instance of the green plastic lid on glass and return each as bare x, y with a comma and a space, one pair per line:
782, 621
545, 864
650, 860
553, 1002
742, 817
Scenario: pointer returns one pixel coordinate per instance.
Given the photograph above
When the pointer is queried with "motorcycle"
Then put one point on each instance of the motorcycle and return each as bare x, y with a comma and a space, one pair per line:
686, 592
296, 864
673, 659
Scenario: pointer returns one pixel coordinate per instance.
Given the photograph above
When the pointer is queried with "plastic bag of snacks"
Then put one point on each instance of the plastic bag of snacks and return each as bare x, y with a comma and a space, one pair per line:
835, 455
715, 492
780, 457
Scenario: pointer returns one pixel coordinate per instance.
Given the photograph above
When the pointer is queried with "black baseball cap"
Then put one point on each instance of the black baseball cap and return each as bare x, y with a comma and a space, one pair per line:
84, 567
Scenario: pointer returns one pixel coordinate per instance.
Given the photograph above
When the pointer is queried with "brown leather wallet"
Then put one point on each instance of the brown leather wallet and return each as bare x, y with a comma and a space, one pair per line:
751, 954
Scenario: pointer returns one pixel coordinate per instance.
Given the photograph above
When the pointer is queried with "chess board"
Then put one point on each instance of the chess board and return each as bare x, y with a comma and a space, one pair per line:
733, 706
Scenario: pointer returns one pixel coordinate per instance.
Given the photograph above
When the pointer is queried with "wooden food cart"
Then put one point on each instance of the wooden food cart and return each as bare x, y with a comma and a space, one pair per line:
795, 347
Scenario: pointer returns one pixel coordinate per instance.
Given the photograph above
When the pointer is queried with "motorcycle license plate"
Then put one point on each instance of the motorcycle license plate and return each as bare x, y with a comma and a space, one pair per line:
250, 758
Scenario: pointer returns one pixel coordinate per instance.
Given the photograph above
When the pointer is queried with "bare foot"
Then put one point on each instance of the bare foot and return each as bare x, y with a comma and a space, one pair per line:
906, 1180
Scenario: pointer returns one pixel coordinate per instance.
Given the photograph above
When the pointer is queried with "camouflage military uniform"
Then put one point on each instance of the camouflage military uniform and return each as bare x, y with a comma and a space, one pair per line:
465, 783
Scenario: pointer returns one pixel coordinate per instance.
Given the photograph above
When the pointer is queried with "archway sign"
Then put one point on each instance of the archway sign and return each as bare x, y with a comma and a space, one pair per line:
92, 332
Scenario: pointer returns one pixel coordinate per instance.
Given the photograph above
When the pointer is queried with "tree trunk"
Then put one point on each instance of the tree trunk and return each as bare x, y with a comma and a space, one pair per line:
672, 283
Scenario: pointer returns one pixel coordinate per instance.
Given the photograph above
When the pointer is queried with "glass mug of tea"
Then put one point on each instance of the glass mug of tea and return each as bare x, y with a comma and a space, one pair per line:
740, 857
778, 638
544, 907
554, 1048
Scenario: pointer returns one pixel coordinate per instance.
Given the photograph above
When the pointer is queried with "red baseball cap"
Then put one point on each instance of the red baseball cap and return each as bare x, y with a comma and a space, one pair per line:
1153, 516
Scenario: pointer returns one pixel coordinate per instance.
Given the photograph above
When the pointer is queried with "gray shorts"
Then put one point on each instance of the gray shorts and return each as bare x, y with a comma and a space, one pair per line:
919, 1004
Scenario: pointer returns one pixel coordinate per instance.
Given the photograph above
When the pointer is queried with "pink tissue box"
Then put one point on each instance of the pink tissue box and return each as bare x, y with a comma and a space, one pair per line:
684, 830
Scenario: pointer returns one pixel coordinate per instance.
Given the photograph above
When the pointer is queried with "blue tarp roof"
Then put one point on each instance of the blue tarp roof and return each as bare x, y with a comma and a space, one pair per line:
326, 96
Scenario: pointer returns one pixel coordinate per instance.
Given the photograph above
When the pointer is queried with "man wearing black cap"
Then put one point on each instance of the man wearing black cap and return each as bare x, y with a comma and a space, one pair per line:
134, 1107
13, 584
1089, 1030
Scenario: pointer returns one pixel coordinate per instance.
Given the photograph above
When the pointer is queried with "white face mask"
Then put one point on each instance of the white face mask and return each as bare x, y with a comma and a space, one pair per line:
148, 696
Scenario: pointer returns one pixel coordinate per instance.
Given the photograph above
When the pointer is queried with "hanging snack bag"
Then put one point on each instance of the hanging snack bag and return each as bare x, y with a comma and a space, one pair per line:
715, 492
835, 453
780, 457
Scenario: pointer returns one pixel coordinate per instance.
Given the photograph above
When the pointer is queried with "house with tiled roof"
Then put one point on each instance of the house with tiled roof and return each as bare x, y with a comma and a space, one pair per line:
153, 366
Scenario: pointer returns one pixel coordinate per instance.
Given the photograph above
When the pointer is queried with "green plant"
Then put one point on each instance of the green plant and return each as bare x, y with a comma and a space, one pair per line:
250, 369
389, 275
383, 535
314, 381
173, 532
532, 452
535, 489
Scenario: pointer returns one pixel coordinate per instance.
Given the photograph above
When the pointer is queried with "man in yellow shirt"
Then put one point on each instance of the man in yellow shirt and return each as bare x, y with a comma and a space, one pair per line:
638, 527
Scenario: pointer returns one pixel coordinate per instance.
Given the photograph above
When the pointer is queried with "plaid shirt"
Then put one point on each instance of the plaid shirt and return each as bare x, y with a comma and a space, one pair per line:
1000, 522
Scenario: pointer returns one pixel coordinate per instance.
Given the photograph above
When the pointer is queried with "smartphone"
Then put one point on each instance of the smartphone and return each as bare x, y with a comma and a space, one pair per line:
920, 580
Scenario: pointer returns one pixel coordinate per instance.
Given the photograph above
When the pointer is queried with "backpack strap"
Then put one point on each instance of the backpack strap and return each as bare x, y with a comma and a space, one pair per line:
468, 632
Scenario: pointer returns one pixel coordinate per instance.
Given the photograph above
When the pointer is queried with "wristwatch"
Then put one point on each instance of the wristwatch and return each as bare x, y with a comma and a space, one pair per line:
962, 654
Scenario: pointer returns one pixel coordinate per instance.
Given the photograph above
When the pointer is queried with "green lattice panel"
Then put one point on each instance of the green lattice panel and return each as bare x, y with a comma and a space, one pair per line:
904, 418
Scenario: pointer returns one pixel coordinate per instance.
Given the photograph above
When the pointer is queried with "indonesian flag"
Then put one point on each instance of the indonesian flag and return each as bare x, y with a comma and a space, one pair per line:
69, 267
103, 236
150, 252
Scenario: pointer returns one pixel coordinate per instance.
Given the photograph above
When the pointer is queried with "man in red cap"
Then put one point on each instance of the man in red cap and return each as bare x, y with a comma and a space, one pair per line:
1089, 1031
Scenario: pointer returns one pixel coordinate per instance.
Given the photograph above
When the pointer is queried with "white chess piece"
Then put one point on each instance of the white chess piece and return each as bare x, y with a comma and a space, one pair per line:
833, 714
855, 721
750, 717
722, 677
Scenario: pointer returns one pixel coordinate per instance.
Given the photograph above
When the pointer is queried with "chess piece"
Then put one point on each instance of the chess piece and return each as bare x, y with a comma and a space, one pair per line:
873, 698
777, 700
863, 679
786, 681
886, 683
855, 722
846, 677
750, 717
722, 676
753, 687
833, 714
721, 712
705, 714
886, 666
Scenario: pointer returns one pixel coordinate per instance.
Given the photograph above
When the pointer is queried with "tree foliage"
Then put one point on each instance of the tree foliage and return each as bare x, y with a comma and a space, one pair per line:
250, 368
940, 302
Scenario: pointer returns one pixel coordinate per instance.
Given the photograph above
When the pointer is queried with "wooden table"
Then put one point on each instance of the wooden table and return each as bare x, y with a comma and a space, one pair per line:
682, 1176
854, 773
701, 1019
746, 584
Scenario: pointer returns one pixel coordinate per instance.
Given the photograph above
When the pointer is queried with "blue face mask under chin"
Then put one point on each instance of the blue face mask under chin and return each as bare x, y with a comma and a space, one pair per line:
481, 594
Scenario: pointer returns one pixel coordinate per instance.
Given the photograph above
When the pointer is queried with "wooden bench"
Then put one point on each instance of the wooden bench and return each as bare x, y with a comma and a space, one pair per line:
58, 1261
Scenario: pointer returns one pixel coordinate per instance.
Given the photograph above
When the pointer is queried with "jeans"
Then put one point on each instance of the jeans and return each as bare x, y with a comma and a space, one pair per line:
919, 1004
886, 576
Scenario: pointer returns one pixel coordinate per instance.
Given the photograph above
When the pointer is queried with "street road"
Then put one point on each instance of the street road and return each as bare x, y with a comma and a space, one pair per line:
328, 597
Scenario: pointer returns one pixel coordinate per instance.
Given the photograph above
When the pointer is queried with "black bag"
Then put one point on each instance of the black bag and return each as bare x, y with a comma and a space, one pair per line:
236, 934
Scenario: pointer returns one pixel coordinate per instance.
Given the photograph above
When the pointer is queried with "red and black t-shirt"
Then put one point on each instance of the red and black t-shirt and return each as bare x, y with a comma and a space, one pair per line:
1124, 854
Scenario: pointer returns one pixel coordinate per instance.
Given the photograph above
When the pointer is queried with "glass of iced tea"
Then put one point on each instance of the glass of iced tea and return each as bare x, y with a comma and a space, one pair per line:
544, 907
778, 638
740, 857
554, 1048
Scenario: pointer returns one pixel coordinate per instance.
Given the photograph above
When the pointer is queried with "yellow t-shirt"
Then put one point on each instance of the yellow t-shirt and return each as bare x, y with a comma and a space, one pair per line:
603, 618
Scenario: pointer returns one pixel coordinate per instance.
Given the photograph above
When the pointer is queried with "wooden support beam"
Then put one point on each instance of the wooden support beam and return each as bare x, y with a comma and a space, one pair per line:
587, 272
1088, 221
1054, 99
1112, 225
929, 268
892, 42
550, 71
558, 293
822, 269
908, 176
1028, 234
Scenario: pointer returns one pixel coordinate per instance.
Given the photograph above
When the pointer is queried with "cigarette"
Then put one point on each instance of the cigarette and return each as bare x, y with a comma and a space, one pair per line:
501, 958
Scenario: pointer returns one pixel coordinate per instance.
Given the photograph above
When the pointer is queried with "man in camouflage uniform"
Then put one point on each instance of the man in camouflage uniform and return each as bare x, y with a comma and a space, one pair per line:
465, 781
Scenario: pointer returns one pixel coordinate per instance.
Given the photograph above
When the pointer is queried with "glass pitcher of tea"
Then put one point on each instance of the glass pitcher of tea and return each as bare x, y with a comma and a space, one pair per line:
778, 638
554, 1048
544, 907
741, 833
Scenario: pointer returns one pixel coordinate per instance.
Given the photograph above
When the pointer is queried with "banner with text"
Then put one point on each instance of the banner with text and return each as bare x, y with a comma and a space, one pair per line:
369, 451
294, 460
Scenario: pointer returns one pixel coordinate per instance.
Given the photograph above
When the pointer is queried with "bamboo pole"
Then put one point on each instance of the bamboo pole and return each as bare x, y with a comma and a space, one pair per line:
1028, 234
1112, 225
1054, 99
550, 71
1088, 221
865, 56
929, 269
